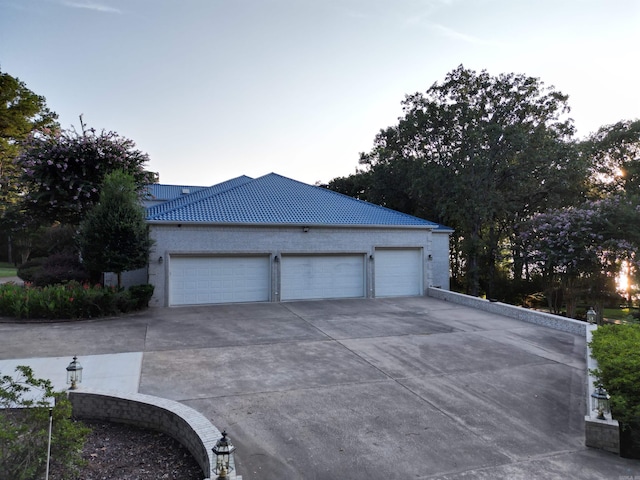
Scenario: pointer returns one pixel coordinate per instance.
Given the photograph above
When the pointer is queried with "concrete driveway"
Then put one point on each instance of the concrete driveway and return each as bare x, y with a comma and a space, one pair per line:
406, 388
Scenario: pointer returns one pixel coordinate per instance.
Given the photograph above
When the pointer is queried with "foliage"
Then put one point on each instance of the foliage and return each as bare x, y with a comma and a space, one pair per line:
71, 300
57, 268
616, 348
57, 238
21, 112
114, 236
141, 295
581, 250
63, 171
615, 150
29, 269
478, 153
24, 427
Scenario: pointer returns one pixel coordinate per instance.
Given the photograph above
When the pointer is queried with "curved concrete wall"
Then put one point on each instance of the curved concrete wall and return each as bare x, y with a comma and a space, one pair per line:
183, 423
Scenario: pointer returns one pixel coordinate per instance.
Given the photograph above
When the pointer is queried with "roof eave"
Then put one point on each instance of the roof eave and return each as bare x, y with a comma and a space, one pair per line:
300, 225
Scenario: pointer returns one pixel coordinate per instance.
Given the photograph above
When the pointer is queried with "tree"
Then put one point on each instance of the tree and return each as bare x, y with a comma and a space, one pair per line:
21, 113
63, 171
580, 250
114, 236
480, 154
615, 154
25, 401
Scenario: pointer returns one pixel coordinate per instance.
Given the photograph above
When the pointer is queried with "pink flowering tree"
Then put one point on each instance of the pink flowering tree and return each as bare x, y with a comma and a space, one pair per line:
579, 251
62, 171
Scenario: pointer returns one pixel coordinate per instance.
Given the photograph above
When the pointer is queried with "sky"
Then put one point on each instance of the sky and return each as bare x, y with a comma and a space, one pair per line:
214, 89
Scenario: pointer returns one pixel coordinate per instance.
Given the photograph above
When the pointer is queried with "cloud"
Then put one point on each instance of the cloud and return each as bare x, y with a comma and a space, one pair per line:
96, 7
454, 34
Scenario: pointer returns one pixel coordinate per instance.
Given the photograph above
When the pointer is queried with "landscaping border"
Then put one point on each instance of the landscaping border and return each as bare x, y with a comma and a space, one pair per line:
182, 423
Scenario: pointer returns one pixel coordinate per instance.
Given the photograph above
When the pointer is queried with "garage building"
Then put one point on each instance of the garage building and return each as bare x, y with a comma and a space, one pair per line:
274, 239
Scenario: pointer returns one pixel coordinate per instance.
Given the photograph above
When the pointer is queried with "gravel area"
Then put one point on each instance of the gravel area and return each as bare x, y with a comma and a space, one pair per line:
122, 452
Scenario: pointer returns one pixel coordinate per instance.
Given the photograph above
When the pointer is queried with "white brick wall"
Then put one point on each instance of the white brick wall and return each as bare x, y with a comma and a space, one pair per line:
276, 240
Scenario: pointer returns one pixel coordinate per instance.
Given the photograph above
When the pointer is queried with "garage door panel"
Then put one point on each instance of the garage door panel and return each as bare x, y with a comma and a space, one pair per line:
398, 272
306, 277
207, 279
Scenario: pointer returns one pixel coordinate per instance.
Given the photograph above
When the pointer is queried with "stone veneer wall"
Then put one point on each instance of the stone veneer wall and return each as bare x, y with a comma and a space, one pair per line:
602, 434
182, 423
526, 315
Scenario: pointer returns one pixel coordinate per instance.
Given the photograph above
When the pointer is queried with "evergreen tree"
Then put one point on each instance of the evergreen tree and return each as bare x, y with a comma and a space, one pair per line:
114, 236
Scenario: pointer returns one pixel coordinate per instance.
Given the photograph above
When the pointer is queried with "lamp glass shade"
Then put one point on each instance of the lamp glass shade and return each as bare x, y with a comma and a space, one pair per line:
74, 372
223, 450
600, 401
591, 315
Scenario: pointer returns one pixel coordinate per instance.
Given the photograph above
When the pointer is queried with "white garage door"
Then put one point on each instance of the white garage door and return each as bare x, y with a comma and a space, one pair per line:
398, 272
205, 280
322, 276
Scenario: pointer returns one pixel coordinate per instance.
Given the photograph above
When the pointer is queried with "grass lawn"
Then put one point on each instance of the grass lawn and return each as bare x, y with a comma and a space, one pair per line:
7, 270
612, 314
617, 313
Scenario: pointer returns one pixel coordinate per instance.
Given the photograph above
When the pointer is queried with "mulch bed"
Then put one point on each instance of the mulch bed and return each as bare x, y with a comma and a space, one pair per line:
123, 452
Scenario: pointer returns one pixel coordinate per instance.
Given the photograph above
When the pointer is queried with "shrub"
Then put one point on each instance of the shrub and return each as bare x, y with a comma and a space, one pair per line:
140, 295
70, 300
30, 268
61, 267
57, 268
24, 428
617, 351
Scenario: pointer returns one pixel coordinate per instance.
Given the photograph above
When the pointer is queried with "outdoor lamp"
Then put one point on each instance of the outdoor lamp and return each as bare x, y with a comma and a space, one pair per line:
74, 373
591, 315
223, 450
600, 402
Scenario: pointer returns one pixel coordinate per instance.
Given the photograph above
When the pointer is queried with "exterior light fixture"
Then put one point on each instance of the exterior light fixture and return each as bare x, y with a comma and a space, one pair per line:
591, 315
600, 402
305, 229
74, 373
223, 450
160, 260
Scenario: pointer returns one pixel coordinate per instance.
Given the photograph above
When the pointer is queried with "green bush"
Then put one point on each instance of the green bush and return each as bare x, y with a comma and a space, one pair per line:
617, 351
24, 428
70, 300
30, 268
57, 268
140, 295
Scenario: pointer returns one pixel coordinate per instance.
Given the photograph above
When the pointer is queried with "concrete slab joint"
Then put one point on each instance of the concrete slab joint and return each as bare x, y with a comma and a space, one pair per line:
182, 423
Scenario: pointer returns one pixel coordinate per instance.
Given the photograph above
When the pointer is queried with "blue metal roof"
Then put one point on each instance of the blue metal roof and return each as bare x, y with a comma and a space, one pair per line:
199, 194
274, 199
159, 192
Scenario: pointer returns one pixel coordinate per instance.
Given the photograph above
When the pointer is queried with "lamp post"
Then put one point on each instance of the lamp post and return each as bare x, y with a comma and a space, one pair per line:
223, 450
591, 315
600, 402
74, 373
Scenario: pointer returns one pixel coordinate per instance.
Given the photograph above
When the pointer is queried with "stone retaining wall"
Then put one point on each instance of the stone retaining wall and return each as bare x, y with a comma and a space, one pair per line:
182, 423
526, 315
